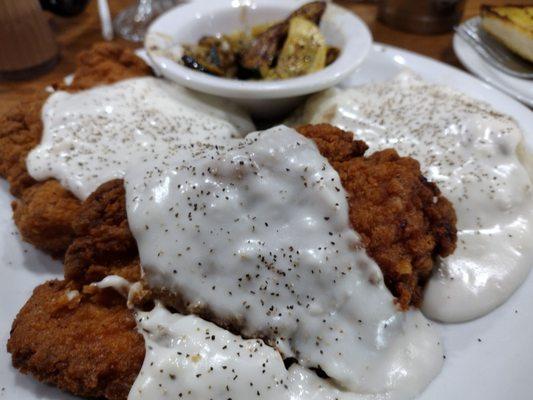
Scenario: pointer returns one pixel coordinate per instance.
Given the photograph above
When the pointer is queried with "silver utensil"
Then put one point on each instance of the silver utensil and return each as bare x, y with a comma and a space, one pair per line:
492, 51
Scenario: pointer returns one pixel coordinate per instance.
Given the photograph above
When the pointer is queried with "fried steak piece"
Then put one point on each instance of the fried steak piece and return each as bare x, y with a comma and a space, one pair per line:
44, 215
20, 131
105, 63
88, 345
104, 244
85, 344
403, 220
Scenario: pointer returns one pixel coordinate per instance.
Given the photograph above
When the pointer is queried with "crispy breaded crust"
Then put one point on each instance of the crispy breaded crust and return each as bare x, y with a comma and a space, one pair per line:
104, 244
87, 345
44, 215
20, 131
334, 143
403, 220
105, 63
38, 214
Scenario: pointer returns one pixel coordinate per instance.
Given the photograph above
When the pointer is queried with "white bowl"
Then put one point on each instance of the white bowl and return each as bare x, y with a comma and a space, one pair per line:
186, 24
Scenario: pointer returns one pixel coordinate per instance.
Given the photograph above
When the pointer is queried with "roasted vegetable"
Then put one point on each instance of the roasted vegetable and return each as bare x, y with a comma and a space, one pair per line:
304, 51
310, 11
212, 55
266, 47
332, 55
192, 63
276, 50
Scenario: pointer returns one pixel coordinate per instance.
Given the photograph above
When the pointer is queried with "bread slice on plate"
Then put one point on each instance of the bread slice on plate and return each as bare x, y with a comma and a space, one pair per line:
512, 25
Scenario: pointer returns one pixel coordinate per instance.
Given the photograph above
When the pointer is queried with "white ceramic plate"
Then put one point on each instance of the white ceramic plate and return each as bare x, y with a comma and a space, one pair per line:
495, 368
520, 89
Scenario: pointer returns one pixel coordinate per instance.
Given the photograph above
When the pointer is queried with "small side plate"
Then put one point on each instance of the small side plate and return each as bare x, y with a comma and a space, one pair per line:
520, 89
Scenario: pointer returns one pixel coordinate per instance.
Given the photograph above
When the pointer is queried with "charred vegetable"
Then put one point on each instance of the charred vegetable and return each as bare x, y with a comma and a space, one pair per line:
332, 55
266, 47
212, 55
279, 50
304, 51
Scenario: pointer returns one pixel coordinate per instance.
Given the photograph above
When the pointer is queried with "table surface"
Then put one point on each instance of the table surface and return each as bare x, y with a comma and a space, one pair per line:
78, 33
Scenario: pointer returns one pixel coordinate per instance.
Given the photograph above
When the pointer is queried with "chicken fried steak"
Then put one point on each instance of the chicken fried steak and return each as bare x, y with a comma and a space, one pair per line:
403, 220
85, 344
44, 215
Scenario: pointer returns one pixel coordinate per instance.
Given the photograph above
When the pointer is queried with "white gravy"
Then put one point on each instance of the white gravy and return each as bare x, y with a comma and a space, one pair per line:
470, 151
257, 230
190, 358
91, 137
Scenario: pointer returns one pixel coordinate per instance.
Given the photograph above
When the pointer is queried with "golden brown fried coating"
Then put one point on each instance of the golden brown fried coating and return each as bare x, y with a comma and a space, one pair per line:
87, 345
20, 131
403, 220
105, 63
104, 244
44, 216
334, 143
38, 214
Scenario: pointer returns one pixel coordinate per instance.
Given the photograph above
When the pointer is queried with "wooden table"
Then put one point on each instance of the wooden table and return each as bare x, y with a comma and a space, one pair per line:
78, 33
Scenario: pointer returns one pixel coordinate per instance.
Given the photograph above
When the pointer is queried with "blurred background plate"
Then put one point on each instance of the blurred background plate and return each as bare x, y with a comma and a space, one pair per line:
520, 89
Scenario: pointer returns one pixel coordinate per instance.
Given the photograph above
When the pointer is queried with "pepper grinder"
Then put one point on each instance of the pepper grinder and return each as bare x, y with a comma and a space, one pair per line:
27, 45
